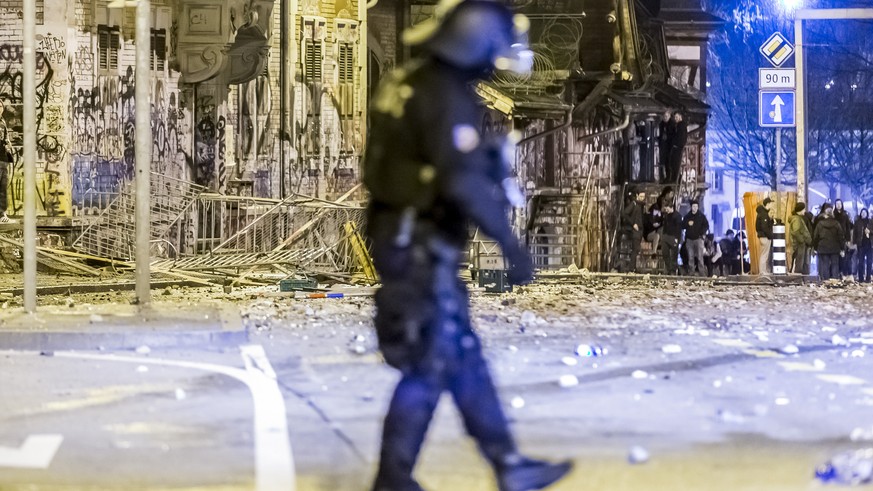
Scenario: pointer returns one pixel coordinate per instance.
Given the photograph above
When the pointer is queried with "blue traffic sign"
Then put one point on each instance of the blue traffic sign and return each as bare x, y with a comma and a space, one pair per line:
776, 108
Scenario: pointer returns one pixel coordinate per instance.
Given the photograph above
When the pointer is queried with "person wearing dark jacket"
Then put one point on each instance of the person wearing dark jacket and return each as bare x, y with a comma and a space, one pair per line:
632, 230
652, 223
830, 242
696, 226
666, 131
677, 147
670, 234
810, 224
842, 216
730, 253
430, 173
864, 246
801, 240
764, 230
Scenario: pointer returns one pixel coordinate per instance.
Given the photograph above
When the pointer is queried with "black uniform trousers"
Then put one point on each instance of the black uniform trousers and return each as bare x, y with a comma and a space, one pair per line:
451, 361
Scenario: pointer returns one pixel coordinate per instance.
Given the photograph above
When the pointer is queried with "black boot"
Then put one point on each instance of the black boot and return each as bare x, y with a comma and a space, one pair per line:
522, 474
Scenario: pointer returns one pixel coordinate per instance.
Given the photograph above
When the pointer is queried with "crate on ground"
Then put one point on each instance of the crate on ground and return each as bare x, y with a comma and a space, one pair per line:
494, 280
486, 253
295, 284
490, 262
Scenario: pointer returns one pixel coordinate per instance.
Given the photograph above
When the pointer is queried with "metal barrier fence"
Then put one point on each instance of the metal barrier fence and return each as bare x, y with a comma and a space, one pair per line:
232, 233
112, 235
192, 230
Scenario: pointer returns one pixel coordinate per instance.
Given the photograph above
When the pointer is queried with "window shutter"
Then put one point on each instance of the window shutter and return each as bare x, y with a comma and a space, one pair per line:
313, 60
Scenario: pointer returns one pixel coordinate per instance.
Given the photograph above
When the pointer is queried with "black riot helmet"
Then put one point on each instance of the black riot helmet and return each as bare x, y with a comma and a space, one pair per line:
476, 35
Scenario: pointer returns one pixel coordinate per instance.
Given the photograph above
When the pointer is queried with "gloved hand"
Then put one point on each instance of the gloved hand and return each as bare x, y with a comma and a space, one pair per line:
521, 269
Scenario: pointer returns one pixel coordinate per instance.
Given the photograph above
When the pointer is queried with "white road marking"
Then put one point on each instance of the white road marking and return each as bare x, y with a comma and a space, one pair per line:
37, 452
274, 462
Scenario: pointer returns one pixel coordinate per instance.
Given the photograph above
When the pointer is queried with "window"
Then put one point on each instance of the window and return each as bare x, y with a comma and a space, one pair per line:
314, 31
108, 44
346, 79
346, 63
718, 181
159, 49
313, 60
717, 221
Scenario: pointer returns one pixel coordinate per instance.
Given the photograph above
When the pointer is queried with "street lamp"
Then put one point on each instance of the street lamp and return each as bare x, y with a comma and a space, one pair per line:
792, 5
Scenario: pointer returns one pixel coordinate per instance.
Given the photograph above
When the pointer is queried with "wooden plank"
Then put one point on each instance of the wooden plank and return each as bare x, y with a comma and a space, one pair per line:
45, 252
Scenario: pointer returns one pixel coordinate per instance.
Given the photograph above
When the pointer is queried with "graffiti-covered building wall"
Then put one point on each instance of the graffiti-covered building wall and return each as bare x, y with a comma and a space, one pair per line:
52, 93
248, 97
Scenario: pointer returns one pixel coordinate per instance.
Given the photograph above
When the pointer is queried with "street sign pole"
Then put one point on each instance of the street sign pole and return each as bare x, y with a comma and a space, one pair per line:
143, 151
29, 123
778, 167
801, 111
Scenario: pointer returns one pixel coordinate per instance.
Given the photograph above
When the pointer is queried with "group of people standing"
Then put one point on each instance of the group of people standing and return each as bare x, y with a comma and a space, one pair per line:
843, 247
677, 236
672, 137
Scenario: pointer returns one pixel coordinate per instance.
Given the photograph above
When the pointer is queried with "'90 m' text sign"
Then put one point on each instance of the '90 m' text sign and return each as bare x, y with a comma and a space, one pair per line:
776, 78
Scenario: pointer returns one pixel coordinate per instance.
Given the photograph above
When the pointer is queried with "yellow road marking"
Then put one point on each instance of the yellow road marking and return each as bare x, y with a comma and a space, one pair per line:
794, 366
732, 343
842, 379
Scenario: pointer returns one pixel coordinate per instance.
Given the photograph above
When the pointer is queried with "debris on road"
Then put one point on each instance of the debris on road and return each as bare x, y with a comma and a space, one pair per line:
567, 381
850, 468
638, 455
569, 361
588, 350
671, 349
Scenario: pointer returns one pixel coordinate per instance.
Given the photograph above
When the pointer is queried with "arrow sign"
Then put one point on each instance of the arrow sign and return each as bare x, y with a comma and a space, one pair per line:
36, 452
777, 109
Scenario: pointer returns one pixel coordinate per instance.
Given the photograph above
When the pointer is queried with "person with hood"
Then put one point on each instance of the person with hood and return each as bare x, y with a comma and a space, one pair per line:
801, 240
696, 226
632, 229
730, 253
430, 172
764, 230
864, 246
829, 241
670, 235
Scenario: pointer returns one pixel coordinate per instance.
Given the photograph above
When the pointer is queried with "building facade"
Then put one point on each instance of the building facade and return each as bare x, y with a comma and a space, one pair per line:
249, 97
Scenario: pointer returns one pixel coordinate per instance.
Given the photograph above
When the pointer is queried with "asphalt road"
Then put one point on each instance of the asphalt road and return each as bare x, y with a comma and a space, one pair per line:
726, 388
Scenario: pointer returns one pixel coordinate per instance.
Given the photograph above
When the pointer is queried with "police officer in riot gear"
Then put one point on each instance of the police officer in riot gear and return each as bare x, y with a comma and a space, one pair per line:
429, 172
